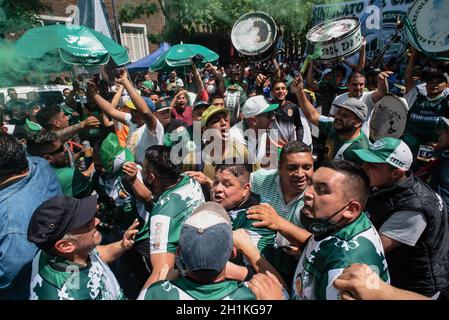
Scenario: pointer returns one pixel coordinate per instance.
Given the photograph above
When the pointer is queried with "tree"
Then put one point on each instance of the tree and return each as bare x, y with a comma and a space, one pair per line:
18, 15
187, 17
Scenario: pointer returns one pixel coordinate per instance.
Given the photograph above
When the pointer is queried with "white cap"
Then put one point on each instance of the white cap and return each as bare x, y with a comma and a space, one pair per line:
257, 105
326, 71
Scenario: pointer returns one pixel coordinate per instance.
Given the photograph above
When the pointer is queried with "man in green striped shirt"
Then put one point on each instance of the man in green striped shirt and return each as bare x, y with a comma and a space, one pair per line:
283, 189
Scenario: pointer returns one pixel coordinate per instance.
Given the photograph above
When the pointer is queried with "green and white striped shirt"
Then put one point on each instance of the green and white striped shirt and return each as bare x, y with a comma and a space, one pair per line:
267, 184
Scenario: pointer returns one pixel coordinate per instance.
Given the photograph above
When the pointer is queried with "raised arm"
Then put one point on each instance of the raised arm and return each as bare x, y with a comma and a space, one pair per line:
110, 252
311, 83
197, 78
362, 57
104, 105
67, 133
382, 86
149, 117
307, 108
408, 76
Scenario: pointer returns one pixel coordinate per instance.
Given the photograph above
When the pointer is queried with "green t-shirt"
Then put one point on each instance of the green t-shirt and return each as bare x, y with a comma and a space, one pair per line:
168, 214
186, 289
336, 148
54, 278
424, 121
266, 183
323, 261
262, 238
73, 182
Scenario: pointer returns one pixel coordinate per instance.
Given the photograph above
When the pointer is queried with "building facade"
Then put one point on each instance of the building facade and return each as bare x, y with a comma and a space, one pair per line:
133, 35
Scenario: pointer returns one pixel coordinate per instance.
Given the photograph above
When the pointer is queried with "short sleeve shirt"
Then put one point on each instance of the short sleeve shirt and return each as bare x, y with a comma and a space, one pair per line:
336, 148
186, 289
168, 214
322, 261
54, 278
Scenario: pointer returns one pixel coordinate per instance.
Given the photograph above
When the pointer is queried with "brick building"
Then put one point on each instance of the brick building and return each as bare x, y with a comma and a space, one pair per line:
133, 35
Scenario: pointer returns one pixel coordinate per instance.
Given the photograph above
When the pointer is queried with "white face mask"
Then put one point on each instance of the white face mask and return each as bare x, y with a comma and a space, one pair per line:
211, 89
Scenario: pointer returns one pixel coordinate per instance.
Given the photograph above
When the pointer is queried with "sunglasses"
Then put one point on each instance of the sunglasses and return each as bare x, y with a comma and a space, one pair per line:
59, 150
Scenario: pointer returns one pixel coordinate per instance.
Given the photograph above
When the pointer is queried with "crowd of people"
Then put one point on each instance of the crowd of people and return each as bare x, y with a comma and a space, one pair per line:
238, 182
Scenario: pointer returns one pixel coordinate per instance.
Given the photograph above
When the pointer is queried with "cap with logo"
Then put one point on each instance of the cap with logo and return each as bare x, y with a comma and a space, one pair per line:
205, 242
392, 151
58, 216
162, 105
257, 105
209, 112
358, 107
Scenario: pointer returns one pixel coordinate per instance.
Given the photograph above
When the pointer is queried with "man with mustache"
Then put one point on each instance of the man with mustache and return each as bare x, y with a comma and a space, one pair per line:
283, 189
337, 231
344, 132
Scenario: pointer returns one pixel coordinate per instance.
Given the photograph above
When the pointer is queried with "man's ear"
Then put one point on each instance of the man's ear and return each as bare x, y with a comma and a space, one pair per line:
64, 246
353, 209
234, 252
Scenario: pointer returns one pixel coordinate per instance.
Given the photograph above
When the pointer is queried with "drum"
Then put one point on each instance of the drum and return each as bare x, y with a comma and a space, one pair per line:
389, 118
338, 38
426, 26
254, 35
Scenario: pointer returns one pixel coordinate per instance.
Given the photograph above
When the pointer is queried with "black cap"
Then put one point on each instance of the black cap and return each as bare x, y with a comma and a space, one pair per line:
162, 105
200, 104
56, 217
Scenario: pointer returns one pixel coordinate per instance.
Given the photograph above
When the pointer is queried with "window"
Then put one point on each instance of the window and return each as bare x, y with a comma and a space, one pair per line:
47, 20
134, 37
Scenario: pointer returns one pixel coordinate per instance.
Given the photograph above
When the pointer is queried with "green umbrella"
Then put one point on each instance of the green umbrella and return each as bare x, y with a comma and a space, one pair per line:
69, 44
178, 57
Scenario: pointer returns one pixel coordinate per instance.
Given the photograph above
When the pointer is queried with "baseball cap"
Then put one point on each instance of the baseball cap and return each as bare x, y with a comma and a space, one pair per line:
393, 151
162, 105
209, 112
130, 105
358, 107
150, 103
58, 216
205, 242
257, 105
326, 71
200, 104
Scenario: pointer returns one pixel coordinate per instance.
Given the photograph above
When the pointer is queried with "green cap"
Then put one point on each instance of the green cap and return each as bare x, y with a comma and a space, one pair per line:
209, 112
387, 150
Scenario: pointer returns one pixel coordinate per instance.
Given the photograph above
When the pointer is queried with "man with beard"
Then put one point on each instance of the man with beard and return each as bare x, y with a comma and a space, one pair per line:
180, 108
283, 189
175, 196
289, 120
344, 132
410, 217
71, 264
337, 231
356, 90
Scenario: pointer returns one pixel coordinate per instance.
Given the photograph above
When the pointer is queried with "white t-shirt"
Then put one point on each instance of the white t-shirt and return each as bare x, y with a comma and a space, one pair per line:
404, 226
366, 98
256, 147
141, 138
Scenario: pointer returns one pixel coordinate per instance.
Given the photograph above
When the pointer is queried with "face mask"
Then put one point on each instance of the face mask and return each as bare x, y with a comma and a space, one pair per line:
211, 89
319, 226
